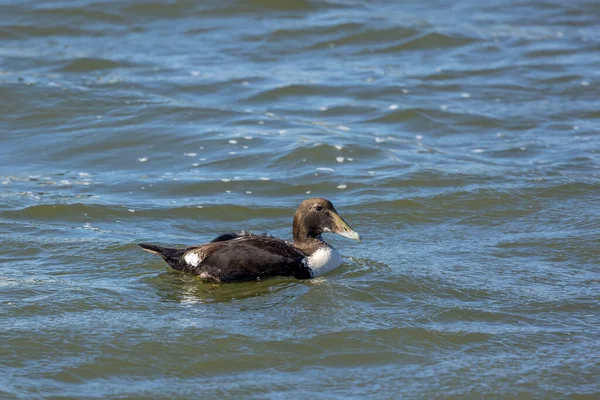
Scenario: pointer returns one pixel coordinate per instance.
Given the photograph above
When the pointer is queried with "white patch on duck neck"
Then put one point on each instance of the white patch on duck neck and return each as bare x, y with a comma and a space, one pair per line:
324, 260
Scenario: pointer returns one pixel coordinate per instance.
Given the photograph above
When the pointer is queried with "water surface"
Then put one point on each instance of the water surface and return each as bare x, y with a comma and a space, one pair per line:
459, 138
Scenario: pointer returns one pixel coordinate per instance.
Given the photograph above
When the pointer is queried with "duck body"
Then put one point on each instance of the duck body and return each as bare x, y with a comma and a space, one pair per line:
246, 256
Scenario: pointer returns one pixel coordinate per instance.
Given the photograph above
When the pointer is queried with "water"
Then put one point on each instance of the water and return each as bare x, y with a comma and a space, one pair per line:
460, 139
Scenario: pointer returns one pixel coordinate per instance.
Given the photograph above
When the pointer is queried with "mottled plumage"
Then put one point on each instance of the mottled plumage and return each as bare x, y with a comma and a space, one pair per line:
239, 256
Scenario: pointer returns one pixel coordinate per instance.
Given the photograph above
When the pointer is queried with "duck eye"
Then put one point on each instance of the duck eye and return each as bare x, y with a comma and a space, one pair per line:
318, 208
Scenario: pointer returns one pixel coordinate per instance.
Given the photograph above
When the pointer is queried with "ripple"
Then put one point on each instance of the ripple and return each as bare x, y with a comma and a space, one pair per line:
460, 141
86, 64
287, 91
173, 286
428, 40
12, 32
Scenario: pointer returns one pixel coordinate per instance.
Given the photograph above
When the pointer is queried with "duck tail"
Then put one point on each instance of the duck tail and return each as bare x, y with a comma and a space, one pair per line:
171, 256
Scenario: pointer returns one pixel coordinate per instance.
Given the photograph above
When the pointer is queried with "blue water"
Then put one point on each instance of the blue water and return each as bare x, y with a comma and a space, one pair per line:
460, 139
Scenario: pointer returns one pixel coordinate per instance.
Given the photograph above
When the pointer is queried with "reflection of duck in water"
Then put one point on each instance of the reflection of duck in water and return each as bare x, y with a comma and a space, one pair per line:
246, 256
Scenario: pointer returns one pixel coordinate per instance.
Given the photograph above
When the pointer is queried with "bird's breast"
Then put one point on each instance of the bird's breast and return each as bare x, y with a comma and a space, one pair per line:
323, 260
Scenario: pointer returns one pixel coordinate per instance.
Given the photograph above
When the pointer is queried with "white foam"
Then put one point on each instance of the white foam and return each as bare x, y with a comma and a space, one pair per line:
190, 154
343, 128
393, 107
342, 186
233, 141
340, 159
143, 159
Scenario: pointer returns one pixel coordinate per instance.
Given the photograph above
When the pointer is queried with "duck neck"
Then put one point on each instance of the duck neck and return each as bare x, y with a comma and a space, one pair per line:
309, 245
305, 240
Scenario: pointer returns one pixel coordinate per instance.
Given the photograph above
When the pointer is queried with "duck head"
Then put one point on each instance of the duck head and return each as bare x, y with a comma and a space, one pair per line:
315, 216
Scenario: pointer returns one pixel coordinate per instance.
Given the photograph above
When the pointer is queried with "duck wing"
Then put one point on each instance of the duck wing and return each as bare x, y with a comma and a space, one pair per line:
174, 257
187, 259
235, 235
244, 256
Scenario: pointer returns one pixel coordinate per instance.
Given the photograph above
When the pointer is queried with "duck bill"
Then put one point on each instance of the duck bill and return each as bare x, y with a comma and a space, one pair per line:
342, 228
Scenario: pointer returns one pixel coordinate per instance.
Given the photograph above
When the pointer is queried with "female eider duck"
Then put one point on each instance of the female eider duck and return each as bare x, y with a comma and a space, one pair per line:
245, 256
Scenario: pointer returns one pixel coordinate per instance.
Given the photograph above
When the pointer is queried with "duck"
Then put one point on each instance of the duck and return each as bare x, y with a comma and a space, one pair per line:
245, 256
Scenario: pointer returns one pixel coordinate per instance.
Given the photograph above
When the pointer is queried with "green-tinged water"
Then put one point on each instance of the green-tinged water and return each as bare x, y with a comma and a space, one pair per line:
460, 139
